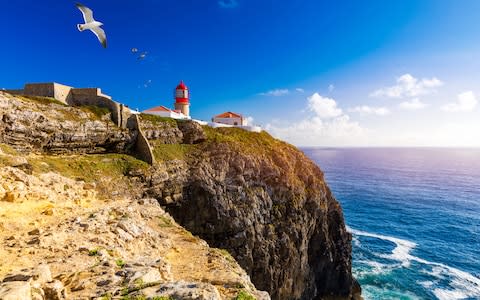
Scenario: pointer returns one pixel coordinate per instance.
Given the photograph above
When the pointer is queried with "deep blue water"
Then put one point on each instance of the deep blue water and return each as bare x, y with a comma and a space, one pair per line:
415, 218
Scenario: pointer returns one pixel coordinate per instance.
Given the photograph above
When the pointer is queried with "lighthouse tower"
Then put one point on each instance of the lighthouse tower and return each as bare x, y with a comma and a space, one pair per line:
182, 99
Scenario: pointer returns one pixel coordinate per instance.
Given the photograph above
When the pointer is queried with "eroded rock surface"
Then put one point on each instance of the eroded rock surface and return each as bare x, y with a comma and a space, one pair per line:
28, 125
97, 245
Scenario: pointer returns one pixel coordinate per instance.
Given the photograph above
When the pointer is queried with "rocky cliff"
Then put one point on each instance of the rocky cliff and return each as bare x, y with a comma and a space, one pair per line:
268, 205
259, 198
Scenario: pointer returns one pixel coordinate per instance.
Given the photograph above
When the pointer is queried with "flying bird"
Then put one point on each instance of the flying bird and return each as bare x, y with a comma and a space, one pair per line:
134, 50
91, 24
142, 55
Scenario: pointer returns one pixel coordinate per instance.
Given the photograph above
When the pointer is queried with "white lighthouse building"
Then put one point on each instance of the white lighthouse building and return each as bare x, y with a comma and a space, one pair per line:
182, 105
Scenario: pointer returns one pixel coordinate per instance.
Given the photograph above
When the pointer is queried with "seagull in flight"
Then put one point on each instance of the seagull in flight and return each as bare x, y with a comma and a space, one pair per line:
91, 24
142, 55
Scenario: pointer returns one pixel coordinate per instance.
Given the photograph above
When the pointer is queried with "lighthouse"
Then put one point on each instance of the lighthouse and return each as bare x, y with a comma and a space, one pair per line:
182, 99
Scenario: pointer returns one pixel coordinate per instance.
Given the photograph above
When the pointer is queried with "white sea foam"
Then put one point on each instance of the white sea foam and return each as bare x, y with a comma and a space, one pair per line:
449, 294
426, 284
356, 241
462, 284
400, 253
375, 267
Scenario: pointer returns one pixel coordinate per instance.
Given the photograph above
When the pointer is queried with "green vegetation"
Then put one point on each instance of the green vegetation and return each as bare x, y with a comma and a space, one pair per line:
162, 298
8, 156
107, 296
166, 152
41, 100
93, 252
246, 141
165, 221
227, 256
120, 263
96, 110
243, 295
157, 119
136, 297
88, 167
7, 149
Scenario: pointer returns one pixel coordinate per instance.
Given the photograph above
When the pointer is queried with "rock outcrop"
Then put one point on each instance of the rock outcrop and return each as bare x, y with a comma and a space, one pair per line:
100, 245
269, 206
39, 124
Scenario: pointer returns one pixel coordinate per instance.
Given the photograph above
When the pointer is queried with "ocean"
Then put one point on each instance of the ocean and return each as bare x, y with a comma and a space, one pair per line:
414, 214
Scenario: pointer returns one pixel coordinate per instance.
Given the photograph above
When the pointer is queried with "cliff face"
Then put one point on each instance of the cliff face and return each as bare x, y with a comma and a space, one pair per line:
269, 206
257, 197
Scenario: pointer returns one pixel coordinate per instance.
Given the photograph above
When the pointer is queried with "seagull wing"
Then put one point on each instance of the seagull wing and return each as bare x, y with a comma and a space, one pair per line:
102, 37
87, 13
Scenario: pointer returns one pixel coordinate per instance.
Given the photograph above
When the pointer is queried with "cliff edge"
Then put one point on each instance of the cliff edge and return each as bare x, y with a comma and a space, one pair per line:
264, 201
260, 199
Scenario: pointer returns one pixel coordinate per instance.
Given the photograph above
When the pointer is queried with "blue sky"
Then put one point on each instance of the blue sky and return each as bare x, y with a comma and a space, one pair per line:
316, 73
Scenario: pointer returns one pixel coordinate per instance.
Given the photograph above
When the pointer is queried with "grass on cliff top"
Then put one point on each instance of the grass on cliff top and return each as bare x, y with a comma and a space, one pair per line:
157, 119
7, 155
89, 167
41, 100
243, 295
98, 111
7, 149
167, 152
252, 142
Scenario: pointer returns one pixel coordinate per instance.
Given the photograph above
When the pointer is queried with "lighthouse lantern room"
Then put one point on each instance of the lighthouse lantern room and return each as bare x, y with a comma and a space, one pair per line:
182, 99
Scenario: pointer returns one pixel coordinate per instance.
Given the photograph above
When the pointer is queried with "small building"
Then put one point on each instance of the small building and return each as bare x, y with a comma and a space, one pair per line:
230, 118
166, 112
182, 105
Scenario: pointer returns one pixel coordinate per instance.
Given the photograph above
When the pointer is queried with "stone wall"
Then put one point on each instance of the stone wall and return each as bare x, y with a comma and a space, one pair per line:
142, 148
77, 97
61, 92
94, 96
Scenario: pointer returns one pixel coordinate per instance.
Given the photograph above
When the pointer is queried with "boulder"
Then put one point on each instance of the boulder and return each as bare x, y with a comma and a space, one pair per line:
15, 290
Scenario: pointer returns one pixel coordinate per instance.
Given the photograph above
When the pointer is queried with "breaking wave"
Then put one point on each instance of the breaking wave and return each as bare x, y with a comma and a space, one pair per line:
461, 284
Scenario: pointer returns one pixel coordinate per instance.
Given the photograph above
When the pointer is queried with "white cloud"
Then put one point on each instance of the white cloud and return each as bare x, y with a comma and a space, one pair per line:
228, 3
413, 104
276, 92
300, 90
409, 86
370, 110
466, 101
328, 126
249, 120
331, 87
324, 107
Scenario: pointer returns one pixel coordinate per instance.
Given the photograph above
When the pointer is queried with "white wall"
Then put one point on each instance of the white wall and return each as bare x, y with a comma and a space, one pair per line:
229, 121
167, 114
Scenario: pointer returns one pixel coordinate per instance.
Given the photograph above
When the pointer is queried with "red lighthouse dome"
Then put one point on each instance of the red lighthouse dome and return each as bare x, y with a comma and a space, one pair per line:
181, 93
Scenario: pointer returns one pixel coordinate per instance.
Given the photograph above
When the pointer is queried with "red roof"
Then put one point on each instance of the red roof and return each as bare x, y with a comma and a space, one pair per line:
228, 114
182, 86
158, 108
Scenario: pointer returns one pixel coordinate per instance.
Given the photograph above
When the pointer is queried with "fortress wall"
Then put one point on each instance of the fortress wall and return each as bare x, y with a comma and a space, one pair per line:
143, 150
14, 92
124, 115
39, 89
61, 92
77, 97
54, 90
94, 96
